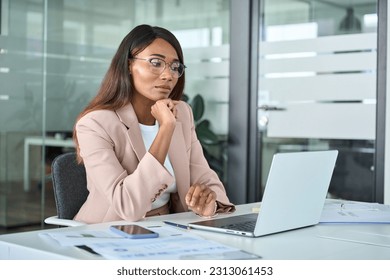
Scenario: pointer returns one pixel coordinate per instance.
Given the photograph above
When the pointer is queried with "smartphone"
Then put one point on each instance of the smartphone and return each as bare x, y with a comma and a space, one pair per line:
133, 231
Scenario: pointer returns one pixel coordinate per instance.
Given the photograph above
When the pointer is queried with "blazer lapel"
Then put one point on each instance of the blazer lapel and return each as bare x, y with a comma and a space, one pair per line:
178, 156
177, 150
128, 117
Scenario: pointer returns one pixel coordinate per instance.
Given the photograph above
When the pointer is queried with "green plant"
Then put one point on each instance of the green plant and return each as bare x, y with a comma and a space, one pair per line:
213, 147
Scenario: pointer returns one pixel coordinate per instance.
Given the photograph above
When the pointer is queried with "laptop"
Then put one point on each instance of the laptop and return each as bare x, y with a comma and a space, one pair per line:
294, 196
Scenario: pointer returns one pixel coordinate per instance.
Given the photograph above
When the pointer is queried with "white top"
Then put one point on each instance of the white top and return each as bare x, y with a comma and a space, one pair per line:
149, 133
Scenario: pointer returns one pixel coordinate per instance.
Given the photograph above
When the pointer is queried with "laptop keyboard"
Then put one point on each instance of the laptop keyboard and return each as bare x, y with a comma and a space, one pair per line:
245, 226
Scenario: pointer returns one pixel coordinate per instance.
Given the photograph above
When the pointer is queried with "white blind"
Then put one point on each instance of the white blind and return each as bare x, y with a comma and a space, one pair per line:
207, 74
326, 86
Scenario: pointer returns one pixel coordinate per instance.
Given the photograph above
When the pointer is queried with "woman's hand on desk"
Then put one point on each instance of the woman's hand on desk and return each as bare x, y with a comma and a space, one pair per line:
201, 200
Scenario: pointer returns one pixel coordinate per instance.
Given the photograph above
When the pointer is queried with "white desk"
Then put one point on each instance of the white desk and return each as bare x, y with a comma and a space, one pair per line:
301, 244
39, 141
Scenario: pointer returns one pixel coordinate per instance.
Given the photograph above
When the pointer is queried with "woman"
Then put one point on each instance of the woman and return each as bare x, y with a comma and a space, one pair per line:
138, 142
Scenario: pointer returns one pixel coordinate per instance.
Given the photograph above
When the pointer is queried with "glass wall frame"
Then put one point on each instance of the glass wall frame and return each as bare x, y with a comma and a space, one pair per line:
245, 153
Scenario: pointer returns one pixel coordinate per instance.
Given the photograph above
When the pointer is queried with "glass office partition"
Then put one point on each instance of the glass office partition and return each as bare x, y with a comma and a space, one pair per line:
53, 57
317, 87
21, 107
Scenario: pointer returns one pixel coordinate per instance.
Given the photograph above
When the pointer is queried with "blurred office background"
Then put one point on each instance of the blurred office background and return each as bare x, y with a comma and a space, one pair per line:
275, 76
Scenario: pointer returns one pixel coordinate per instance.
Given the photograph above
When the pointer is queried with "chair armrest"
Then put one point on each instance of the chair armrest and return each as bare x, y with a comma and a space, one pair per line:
54, 220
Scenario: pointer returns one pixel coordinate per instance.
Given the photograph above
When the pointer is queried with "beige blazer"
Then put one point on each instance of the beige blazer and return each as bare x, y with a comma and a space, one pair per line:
124, 179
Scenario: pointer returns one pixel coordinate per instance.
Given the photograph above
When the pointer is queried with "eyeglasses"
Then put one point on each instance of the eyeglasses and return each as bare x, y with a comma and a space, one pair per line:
157, 66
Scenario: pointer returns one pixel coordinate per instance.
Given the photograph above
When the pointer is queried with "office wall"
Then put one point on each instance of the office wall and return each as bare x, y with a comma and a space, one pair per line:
356, 168
317, 87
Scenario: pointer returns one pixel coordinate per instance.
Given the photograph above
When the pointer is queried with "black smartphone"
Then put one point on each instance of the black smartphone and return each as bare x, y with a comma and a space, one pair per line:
133, 231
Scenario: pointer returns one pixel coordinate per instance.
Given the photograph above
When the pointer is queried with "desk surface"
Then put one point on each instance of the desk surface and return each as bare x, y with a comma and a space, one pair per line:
301, 244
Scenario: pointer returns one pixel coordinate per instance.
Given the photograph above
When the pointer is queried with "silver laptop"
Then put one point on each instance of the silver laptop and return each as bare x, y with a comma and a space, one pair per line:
294, 196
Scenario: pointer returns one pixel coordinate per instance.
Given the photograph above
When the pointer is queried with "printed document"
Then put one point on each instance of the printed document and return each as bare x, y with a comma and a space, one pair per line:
355, 212
172, 243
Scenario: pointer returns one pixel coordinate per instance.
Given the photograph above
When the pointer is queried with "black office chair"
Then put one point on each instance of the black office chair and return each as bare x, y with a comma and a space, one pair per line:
70, 189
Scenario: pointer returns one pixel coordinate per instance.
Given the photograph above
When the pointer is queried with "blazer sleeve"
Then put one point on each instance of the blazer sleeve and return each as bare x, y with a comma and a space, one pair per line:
129, 194
200, 171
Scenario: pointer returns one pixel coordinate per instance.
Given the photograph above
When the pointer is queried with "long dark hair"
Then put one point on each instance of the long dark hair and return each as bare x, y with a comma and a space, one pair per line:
116, 89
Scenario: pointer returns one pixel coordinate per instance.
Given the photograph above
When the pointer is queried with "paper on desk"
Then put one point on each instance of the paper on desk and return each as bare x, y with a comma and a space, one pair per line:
355, 212
85, 237
185, 248
172, 244
359, 237
82, 237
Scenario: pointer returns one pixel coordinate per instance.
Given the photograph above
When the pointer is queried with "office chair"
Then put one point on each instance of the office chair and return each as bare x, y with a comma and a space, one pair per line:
70, 189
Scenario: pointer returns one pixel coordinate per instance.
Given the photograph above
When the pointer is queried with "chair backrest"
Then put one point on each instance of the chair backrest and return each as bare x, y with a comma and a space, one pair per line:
69, 185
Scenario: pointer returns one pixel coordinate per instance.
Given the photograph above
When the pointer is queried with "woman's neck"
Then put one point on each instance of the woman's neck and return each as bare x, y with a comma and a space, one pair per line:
143, 112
